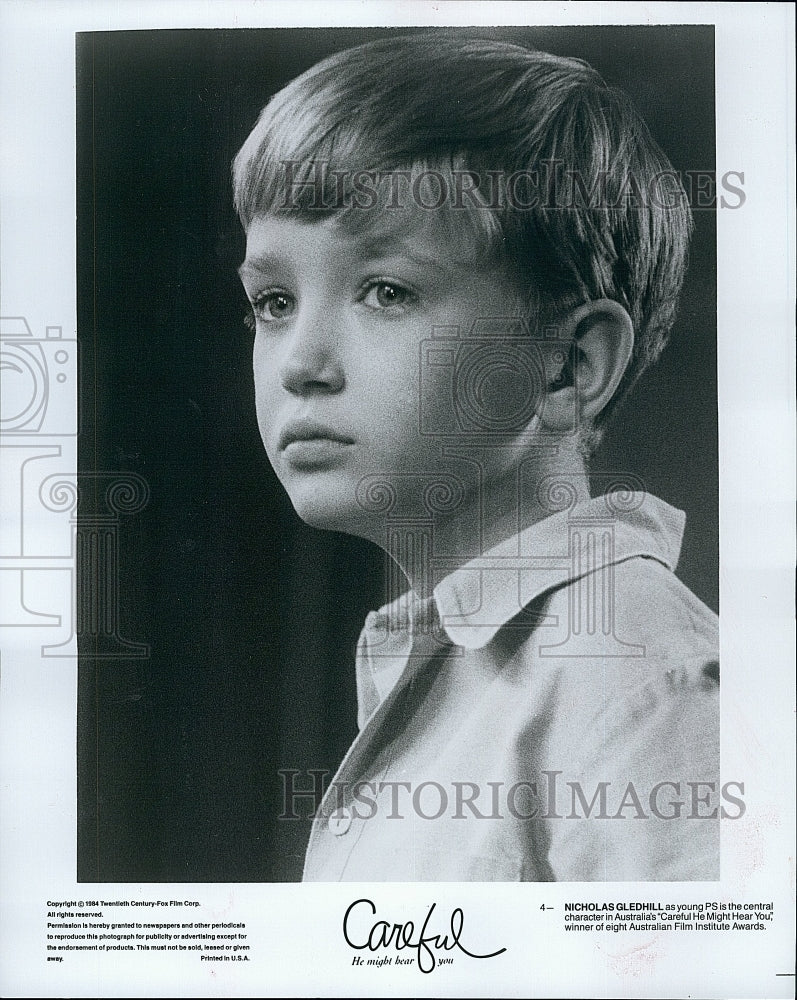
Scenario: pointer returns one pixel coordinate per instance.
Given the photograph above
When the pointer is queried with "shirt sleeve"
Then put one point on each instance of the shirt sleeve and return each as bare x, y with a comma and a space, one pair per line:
631, 774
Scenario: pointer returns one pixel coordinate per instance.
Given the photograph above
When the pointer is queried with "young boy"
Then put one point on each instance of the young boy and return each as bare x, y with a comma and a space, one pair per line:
461, 255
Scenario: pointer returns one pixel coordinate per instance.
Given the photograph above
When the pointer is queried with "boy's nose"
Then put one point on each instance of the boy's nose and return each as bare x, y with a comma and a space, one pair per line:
311, 362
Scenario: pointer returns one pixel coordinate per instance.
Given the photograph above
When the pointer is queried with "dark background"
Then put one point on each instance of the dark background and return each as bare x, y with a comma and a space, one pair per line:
251, 617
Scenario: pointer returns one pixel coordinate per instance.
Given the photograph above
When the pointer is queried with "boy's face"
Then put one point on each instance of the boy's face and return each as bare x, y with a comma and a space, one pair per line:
340, 320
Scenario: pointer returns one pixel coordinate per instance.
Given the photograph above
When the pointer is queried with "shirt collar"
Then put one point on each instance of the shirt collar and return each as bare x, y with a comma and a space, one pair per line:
477, 599
474, 601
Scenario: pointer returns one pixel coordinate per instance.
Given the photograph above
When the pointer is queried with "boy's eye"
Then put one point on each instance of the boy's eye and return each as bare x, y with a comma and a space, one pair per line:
272, 305
386, 294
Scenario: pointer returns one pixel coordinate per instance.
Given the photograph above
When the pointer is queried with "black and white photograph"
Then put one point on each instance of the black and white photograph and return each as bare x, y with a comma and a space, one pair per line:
384, 496
390, 384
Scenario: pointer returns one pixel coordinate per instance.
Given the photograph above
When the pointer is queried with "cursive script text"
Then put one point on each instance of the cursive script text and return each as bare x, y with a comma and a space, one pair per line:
425, 943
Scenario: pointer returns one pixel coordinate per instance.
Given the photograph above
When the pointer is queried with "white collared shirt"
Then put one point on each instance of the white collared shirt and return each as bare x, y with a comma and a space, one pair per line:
551, 713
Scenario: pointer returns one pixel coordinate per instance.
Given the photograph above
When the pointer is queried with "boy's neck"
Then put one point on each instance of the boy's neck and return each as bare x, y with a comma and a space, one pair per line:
503, 508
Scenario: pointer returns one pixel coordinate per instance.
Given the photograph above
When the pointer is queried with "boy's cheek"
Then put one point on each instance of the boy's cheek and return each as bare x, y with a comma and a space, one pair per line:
488, 389
268, 433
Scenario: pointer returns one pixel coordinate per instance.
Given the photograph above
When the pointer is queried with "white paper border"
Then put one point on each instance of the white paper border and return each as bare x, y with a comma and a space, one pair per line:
297, 928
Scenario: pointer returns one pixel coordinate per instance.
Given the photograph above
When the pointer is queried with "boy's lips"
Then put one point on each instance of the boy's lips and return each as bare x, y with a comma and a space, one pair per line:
310, 430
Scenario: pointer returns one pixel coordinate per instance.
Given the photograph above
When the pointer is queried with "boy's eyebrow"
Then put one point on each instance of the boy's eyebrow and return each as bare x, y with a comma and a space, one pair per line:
260, 262
384, 245
378, 246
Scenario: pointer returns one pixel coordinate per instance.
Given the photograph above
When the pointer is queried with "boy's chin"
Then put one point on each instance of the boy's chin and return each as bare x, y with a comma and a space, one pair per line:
329, 514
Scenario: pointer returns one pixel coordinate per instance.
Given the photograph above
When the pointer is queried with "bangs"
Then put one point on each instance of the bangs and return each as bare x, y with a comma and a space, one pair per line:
343, 174
326, 145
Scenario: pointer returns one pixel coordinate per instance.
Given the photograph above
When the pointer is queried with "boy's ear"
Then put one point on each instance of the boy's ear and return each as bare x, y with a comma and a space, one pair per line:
601, 336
